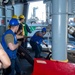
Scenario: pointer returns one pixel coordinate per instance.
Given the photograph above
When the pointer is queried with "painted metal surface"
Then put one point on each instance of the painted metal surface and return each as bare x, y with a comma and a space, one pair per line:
47, 67
48, 12
25, 10
59, 29
18, 9
70, 6
73, 6
1, 15
2, 21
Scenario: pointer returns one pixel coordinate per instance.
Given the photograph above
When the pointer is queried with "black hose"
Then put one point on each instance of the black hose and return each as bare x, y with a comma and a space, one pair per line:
24, 53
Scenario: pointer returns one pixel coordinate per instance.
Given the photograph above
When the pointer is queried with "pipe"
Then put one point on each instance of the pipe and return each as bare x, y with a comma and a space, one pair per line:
25, 10
59, 30
48, 12
12, 10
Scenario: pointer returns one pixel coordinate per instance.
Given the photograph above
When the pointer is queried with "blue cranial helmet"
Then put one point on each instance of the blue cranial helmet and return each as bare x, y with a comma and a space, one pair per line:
13, 22
43, 29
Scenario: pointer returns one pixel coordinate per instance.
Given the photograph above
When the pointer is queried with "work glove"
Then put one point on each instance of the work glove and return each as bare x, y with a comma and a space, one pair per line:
46, 45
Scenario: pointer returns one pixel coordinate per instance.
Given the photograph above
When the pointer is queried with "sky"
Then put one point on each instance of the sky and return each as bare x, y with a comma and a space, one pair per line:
40, 12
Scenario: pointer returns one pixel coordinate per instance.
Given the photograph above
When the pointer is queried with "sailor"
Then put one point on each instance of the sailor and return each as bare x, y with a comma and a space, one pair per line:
24, 29
10, 45
36, 41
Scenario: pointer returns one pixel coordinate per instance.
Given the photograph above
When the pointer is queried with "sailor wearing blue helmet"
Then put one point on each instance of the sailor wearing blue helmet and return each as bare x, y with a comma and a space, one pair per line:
36, 41
10, 45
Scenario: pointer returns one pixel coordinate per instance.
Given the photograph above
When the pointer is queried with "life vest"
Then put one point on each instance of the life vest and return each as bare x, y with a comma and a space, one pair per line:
24, 29
11, 54
36, 38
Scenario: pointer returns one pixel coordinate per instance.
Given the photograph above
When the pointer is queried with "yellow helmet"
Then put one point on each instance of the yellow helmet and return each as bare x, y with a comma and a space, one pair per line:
9, 26
22, 16
15, 16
